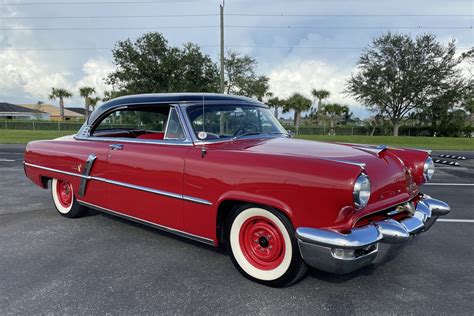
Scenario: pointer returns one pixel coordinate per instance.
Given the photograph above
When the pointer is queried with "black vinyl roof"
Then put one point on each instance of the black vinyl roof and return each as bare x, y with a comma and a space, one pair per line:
8, 107
140, 99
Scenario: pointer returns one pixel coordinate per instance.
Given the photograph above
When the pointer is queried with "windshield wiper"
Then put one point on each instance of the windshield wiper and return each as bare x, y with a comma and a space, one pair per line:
246, 134
255, 133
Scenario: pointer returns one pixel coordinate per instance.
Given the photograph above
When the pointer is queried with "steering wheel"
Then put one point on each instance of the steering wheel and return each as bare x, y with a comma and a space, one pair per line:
245, 129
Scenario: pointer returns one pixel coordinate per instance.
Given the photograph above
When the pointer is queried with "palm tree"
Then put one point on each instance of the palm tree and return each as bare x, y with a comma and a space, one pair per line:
86, 93
93, 102
334, 112
274, 103
320, 95
61, 94
299, 104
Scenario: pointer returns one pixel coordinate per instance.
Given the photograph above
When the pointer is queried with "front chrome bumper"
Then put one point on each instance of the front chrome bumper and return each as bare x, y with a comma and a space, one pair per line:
335, 252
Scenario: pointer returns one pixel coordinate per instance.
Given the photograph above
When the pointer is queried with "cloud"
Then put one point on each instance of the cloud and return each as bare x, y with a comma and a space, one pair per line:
304, 75
22, 74
95, 70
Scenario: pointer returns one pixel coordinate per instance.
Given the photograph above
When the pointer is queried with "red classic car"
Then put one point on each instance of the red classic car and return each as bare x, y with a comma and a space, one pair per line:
221, 170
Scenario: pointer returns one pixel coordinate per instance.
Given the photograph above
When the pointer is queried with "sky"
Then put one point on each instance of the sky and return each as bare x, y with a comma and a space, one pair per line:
299, 45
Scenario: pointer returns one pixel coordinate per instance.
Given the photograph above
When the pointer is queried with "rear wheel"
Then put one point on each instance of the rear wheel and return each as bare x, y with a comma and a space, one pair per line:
263, 246
63, 198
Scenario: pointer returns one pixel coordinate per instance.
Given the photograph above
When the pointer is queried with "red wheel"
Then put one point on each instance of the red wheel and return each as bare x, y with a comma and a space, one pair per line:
263, 246
64, 192
262, 243
64, 200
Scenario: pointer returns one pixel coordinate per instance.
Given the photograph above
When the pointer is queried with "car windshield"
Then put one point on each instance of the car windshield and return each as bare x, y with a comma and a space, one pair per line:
232, 121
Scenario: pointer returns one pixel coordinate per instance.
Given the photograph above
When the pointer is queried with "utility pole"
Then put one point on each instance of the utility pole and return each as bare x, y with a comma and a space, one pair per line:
222, 46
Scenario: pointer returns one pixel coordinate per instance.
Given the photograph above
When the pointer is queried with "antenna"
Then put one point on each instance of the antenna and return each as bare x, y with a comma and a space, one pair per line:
203, 129
203, 134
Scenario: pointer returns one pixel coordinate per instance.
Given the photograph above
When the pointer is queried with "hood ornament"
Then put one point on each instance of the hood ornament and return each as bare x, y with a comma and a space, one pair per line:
373, 150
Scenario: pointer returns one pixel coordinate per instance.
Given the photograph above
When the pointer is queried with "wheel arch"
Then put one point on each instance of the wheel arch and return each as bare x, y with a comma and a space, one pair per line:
45, 181
231, 201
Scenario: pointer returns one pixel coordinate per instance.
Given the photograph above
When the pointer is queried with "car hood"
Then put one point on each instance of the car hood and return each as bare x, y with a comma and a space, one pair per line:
391, 181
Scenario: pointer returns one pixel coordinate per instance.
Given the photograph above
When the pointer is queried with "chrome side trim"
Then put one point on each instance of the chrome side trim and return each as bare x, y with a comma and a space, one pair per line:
140, 188
58, 171
87, 170
151, 224
127, 185
134, 140
196, 200
359, 164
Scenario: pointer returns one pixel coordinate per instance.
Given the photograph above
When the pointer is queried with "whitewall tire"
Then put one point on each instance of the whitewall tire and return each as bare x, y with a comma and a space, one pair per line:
263, 247
64, 200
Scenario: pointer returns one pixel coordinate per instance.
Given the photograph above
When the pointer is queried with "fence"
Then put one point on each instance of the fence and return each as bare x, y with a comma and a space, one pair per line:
304, 130
362, 130
40, 125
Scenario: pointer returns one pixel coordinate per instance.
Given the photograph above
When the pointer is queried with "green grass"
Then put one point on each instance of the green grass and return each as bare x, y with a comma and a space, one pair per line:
435, 143
25, 136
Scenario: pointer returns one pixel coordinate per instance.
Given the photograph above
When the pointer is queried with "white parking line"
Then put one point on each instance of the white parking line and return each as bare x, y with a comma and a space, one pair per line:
451, 184
452, 220
6, 160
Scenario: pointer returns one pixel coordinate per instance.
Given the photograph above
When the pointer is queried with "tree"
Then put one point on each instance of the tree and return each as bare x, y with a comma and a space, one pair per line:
334, 112
86, 93
276, 103
320, 95
39, 107
108, 95
240, 77
298, 103
150, 64
61, 94
93, 102
398, 74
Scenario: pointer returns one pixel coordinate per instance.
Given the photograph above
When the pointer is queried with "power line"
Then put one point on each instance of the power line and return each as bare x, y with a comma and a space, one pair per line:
150, 2
111, 28
210, 46
91, 2
349, 15
106, 16
289, 27
229, 14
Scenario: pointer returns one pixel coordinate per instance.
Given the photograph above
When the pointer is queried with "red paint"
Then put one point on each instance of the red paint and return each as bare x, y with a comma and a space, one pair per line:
299, 178
157, 136
158, 167
262, 243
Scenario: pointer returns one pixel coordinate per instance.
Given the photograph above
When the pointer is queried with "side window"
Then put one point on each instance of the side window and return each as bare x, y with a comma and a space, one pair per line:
149, 123
174, 130
132, 120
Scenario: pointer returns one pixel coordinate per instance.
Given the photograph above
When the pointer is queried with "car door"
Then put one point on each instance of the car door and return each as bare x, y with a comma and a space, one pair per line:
144, 176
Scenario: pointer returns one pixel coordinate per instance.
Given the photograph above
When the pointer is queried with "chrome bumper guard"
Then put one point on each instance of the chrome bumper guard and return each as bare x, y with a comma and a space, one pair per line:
335, 252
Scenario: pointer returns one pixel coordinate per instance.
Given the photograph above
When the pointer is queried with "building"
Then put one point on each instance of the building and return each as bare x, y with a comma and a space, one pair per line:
78, 110
53, 112
15, 112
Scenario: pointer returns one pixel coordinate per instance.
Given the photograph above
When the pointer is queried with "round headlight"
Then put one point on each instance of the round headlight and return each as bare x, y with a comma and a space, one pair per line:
361, 191
428, 169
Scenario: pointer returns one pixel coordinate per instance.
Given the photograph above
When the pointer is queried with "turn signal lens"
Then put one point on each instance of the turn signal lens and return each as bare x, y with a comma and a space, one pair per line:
343, 253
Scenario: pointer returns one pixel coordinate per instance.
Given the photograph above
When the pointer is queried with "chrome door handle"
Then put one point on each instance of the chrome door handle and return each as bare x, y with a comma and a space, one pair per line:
116, 147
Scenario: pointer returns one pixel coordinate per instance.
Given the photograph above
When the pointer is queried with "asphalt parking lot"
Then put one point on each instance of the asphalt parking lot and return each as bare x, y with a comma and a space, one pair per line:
102, 264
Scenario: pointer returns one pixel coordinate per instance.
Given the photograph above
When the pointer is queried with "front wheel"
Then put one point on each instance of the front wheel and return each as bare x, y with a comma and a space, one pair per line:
64, 200
263, 246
